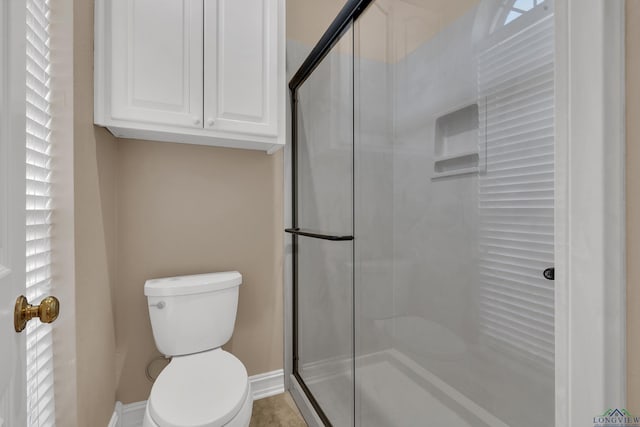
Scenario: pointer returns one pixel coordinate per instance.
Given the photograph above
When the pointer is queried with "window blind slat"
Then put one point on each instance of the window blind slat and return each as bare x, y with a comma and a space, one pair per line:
516, 89
527, 290
37, 158
517, 59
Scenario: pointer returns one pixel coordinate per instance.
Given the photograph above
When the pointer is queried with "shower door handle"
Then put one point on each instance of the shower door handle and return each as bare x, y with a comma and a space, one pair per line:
549, 273
313, 234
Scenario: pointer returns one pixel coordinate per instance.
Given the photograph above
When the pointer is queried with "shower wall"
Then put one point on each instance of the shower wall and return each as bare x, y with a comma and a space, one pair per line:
435, 218
413, 228
374, 188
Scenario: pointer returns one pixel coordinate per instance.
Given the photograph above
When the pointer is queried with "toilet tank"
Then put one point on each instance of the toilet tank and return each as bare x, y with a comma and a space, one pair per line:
190, 314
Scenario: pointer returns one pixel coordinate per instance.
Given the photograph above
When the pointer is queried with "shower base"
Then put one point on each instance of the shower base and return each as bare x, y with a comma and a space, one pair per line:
392, 390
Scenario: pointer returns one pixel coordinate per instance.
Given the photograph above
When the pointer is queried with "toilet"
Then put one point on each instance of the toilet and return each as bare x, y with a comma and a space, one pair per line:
203, 385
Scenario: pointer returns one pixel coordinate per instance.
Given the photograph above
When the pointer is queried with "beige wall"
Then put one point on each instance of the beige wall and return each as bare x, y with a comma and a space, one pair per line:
95, 331
185, 209
633, 204
307, 20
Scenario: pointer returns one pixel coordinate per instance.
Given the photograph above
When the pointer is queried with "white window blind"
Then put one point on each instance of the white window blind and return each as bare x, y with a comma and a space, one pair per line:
516, 200
39, 364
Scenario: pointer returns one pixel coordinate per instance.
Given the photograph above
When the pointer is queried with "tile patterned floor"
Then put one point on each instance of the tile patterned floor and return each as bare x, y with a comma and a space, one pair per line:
276, 411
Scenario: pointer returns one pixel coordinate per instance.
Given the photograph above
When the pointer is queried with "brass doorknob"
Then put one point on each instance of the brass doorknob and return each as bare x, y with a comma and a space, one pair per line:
47, 311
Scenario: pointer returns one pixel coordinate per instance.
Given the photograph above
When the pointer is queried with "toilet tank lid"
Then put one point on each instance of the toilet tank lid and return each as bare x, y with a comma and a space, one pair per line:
193, 284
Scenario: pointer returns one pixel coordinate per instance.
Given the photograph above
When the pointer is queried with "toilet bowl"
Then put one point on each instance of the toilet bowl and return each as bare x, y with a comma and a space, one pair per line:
203, 385
208, 389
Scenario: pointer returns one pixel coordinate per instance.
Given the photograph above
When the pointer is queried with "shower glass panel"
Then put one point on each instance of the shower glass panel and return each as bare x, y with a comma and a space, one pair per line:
454, 196
323, 353
426, 134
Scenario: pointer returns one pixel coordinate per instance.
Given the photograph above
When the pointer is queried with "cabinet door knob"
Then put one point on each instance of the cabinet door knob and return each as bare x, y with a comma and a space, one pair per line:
211, 122
196, 120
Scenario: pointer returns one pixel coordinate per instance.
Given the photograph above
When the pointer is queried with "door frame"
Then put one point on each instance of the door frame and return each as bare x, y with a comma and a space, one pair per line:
590, 210
589, 213
13, 169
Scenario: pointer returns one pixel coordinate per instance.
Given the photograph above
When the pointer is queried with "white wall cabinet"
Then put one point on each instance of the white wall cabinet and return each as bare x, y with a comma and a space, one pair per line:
195, 71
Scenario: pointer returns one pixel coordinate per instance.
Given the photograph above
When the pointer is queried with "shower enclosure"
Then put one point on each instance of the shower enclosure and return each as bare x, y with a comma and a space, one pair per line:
423, 215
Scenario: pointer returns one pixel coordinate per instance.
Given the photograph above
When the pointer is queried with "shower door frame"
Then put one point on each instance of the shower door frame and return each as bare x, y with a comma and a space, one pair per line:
310, 408
590, 303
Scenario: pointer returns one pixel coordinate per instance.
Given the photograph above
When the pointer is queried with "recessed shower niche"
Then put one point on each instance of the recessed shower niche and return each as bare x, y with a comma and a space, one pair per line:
456, 142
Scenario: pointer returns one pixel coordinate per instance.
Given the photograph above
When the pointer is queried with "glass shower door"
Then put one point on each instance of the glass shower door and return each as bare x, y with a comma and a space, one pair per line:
424, 216
323, 242
454, 213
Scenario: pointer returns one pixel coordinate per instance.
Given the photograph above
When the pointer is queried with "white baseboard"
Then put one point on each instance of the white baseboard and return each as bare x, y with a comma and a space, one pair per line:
262, 385
115, 420
267, 384
132, 414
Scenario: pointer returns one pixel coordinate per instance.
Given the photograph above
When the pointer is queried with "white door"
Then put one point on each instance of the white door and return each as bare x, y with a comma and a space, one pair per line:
26, 364
12, 211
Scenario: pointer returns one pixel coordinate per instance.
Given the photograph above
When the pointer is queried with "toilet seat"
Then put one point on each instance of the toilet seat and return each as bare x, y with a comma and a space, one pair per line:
199, 390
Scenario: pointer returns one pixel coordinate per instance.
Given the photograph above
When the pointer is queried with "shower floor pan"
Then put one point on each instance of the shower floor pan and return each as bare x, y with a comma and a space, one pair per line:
392, 391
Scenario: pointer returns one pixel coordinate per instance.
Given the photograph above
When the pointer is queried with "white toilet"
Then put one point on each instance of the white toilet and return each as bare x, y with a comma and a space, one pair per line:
203, 385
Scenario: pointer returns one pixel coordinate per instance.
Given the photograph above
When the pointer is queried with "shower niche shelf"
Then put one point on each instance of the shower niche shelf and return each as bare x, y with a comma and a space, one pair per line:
456, 143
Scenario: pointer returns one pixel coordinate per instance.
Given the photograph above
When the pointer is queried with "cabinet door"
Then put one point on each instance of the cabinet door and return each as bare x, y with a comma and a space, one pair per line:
241, 66
157, 61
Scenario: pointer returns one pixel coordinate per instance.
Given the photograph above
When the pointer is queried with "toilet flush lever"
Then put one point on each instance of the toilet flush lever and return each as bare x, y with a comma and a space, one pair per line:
160, 305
